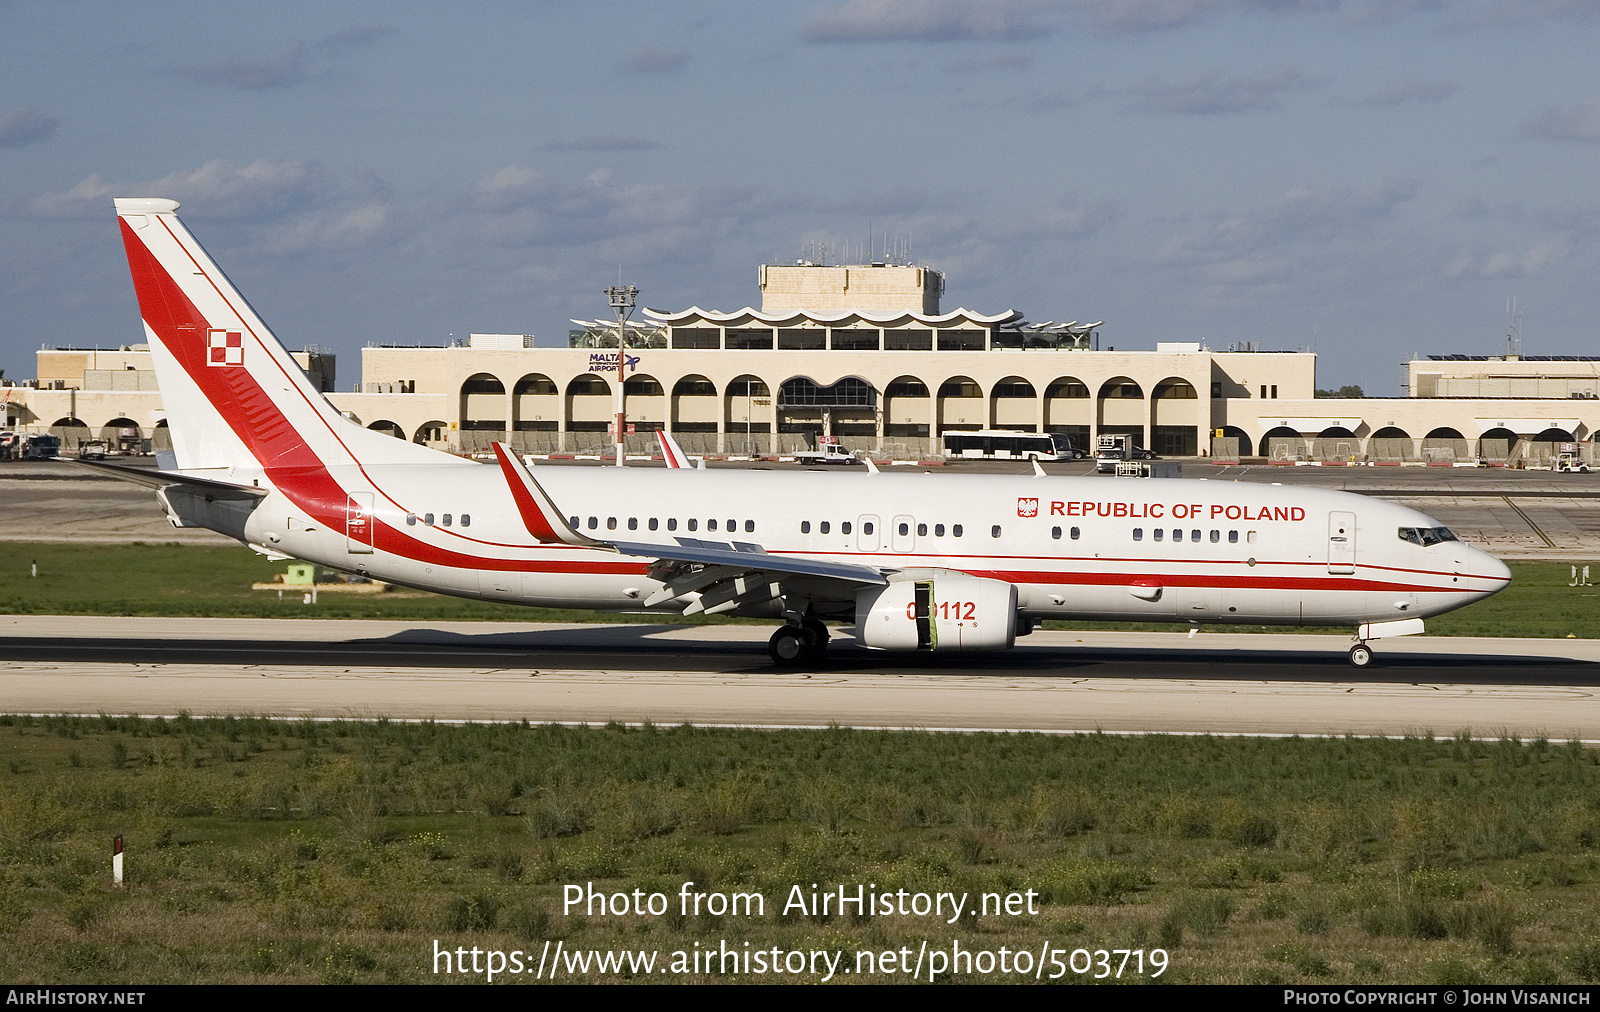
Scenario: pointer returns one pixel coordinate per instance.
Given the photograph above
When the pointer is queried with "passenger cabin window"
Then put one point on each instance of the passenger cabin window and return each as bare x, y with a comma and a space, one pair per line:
1233, 537
922, 530
749, 526
938, 530
805, 527
1074, 534
844, 528
711, 525
594, 522
672, 523
1055, 533
694, 524
427, 519
994, 532
1194, 535
823, 527
411, 520
445, 520
866, 527
1177, 535
633, 523
955, 531
1138, 534
466, 519
1155, 535
611, 523
904, 529
1216, 536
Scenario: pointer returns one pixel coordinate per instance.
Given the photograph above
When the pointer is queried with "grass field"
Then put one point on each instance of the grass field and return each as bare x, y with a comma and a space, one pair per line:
269, 851
171, 579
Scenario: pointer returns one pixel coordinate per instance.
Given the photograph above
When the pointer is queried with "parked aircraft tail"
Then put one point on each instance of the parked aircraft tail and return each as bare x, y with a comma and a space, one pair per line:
233, 395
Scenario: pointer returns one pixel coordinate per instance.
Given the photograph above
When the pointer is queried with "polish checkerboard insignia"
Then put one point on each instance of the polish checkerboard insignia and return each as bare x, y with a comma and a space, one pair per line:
225, 347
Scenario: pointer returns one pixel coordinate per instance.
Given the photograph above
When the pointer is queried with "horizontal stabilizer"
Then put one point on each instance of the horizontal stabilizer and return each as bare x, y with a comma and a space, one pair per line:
208, 487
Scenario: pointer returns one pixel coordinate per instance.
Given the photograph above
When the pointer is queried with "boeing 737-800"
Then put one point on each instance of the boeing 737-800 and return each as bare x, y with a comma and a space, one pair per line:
912, 561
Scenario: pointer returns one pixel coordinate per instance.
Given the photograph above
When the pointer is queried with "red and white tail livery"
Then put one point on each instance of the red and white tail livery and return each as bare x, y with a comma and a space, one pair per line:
912, 561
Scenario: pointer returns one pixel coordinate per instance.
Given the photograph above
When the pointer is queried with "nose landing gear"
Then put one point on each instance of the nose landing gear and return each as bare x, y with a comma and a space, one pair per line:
1360, 655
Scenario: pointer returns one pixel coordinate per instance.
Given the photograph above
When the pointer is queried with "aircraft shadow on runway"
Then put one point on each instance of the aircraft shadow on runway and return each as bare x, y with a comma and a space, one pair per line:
640, 648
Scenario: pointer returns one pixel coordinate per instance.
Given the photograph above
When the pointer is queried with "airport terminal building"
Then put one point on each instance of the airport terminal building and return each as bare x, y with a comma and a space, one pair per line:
866, 354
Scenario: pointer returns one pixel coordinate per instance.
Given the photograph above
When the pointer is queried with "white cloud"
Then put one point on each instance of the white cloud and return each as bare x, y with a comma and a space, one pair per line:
1410, 91
927, 21
651, 60
1214, 91
602, 142
1069, 218
286, 69
1580, 122
1157, 15
339, 230
23, 126
1257, 246
525, 207
1511, 263
217, 189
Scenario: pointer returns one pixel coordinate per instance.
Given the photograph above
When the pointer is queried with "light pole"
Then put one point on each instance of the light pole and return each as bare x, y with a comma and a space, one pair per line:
622, 299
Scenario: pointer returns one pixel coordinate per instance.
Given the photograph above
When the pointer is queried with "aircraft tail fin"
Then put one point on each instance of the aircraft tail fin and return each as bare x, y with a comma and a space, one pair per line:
234, 395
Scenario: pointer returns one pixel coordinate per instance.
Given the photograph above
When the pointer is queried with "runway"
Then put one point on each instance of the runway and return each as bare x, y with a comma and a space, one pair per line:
1216, 683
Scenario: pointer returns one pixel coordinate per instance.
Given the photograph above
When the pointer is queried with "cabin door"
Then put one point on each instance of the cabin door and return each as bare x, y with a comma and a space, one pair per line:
1341, 543
901, 536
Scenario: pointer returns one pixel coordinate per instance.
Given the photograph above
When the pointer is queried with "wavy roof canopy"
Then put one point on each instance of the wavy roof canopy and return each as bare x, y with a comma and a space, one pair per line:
748, 315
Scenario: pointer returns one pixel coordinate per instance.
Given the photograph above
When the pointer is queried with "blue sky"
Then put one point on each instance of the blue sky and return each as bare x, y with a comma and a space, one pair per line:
1372, 178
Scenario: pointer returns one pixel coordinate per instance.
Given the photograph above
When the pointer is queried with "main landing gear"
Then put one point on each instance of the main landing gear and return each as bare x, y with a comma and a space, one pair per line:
1360, 655
795, 645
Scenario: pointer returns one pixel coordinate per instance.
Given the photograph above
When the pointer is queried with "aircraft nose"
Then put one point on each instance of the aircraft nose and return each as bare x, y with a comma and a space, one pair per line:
1485, 565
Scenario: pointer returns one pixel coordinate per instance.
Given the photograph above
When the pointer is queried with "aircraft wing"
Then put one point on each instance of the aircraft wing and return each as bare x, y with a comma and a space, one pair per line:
714, 575
209, 488
748, 556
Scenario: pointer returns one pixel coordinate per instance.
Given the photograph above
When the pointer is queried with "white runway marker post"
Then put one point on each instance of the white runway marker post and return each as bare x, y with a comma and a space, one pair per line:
116, 862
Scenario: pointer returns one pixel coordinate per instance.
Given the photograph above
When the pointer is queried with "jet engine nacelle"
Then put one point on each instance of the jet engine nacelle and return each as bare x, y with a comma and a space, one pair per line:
941, 613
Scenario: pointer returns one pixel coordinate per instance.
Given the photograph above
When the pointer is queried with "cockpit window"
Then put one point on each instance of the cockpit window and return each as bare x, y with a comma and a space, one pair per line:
1427, 536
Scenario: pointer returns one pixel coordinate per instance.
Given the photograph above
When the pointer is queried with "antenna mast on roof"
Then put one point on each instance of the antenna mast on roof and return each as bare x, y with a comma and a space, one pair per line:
1513, 332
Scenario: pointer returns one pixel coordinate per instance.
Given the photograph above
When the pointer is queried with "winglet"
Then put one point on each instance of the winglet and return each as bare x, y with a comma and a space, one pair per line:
671, 450
539, 513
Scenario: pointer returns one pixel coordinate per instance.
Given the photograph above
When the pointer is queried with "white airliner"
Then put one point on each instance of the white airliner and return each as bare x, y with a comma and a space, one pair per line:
913, 561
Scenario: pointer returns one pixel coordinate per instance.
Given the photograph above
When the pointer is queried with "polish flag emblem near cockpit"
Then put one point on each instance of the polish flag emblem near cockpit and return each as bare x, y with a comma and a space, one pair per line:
1027, 507
225, 347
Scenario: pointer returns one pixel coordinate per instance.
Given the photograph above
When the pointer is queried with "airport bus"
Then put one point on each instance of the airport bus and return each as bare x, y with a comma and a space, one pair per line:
1004, 444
